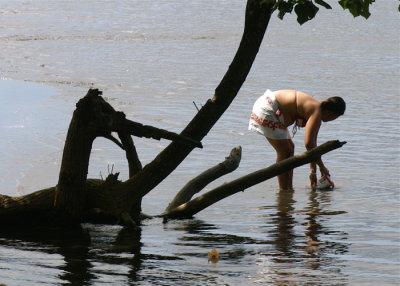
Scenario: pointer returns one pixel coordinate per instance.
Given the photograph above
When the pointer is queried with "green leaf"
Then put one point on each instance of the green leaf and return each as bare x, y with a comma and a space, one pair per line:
305, 11
357, 7
323, 3
284, 7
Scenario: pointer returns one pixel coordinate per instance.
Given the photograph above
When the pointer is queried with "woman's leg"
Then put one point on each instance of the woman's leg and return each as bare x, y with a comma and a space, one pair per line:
284, 149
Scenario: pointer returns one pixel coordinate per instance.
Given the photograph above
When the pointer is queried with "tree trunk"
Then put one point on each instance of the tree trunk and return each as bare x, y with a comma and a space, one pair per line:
70, 191
92, 118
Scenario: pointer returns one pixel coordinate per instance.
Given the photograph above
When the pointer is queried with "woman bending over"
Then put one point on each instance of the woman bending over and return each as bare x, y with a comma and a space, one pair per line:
275, 111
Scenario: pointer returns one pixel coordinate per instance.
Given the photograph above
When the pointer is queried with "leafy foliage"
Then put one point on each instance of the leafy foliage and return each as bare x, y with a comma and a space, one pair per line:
357, 7
304, 9
307, 9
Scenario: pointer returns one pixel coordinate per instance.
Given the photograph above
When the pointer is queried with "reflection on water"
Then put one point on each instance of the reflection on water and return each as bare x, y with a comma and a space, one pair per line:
284, 235
297, 248
78, 256
300, 253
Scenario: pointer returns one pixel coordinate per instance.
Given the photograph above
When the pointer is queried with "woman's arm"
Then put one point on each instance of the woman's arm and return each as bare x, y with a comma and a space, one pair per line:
311, 132
310, 142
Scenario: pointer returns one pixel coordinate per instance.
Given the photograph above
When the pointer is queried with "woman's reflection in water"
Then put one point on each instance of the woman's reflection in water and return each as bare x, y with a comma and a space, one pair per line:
297, 256
313, 232
284, 234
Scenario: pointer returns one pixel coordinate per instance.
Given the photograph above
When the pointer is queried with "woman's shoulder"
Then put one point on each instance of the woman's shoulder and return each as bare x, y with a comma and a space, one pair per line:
285, 92
285, 96
305, 99
306, 104
304, 96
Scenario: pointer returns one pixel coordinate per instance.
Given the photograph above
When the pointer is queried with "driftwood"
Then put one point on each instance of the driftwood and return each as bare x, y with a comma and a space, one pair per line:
196, 205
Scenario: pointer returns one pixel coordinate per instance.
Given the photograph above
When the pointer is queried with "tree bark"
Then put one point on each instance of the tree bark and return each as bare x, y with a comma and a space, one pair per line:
70, 190
134, 164
40, 201
196, 205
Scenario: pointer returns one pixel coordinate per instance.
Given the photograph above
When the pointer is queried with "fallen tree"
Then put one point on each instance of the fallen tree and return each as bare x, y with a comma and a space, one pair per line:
76, 198
80, 199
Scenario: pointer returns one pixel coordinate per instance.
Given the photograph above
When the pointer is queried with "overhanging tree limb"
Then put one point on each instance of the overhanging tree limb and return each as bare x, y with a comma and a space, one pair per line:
196, 205
257, 16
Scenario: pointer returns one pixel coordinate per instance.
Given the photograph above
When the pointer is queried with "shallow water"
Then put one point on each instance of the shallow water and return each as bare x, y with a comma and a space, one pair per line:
153, 60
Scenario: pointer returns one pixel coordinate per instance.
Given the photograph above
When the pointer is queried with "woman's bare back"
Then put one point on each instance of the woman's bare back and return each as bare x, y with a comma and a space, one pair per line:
296, 104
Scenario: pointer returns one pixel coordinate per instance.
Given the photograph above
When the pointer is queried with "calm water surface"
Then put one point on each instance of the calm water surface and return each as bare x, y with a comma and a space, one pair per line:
152, 60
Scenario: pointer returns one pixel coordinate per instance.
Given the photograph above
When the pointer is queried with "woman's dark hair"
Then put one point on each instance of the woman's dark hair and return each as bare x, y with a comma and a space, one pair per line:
334, 104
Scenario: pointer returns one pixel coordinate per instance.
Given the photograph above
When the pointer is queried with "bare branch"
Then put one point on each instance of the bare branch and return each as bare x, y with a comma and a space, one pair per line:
115, 140
139, 130
134, 163
198, 183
